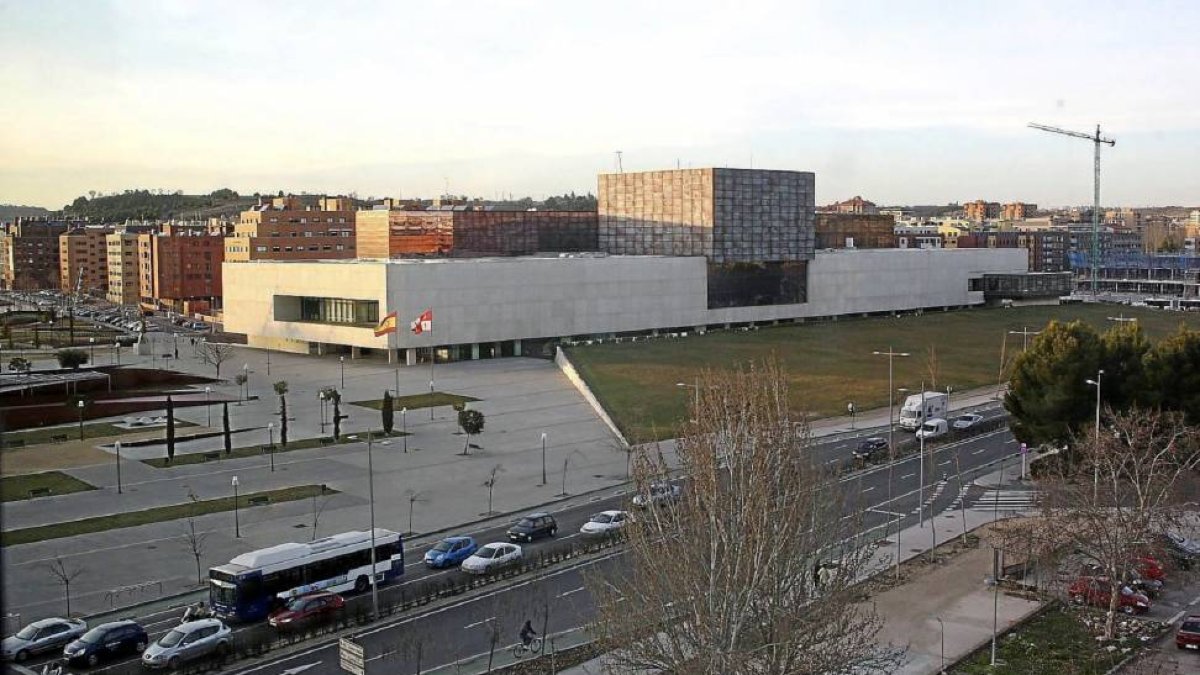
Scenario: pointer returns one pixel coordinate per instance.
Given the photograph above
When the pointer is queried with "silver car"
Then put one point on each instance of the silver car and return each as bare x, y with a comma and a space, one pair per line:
42, 636
186, 642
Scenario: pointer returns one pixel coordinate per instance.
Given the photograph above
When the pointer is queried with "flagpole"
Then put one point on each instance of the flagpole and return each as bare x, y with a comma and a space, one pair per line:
432, 360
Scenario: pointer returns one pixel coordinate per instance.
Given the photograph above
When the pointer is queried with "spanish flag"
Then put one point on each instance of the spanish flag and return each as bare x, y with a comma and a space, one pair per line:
388, 325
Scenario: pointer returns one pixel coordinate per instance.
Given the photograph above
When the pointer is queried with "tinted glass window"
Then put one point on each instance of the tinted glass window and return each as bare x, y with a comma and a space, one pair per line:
525, 522
171, 639
1190, 627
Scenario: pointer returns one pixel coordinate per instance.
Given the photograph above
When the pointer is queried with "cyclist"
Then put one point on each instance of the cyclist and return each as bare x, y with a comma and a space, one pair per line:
527, 633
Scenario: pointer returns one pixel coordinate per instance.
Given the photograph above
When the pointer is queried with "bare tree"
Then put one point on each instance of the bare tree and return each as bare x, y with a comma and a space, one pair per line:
490, 484
1130, 483
413, 497
318, 509
724, 579
934, 366
214, 354
196, 540
64, 575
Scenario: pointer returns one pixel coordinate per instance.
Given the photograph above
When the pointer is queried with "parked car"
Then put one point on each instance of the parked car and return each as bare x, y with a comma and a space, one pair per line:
1184, 551
106, 641
491, 557
605, 522
1148, 567
966, 421
657, 495
871, 448
40, 637
306, 610
533, 526
450, 551
933, 428
187, 642
1188, 635
1096, 591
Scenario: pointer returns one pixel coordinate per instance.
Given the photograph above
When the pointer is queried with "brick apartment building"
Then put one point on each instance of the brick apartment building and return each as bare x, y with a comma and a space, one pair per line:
83, 260
180, 270
122, 267
1047, 249
1017, 211
29, 254
849, 230
855, 205
980, 210
284, 229
462, 231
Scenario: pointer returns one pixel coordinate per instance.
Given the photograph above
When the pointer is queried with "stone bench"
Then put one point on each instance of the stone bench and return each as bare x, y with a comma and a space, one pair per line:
58, 438
210, 456
39, 492
260, 500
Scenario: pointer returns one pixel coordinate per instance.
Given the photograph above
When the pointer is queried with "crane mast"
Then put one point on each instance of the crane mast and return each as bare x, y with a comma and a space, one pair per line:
1097, 140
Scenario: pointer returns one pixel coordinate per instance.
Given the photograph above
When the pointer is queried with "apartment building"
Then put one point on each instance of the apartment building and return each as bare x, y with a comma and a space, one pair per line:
284, 229
29, 254
1017, 211
122, 268
980, 210
855, 205
1047, 250
83, 260
850, 230
180, 270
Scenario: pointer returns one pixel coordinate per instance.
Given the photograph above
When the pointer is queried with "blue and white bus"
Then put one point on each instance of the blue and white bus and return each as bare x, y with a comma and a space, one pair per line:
252, 584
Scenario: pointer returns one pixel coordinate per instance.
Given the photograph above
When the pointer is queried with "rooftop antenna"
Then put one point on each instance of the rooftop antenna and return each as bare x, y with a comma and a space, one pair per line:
1096, 140
620, 167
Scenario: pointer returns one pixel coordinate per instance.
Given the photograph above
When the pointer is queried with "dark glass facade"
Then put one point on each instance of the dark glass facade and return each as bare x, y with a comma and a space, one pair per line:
339, 310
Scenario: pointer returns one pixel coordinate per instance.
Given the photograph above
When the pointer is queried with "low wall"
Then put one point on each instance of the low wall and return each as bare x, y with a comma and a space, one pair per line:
568, 369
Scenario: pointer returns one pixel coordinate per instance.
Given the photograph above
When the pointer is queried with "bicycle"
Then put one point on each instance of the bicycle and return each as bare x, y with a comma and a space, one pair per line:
535, 647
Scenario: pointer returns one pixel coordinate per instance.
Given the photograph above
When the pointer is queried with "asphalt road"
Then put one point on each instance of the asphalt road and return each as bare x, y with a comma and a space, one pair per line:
889, 492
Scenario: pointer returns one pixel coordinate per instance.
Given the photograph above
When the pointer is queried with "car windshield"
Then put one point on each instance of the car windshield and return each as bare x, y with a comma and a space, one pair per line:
27, 632
442, 546
94, 636
297, 604
171, 639
602, 518
525, 522
1190, 627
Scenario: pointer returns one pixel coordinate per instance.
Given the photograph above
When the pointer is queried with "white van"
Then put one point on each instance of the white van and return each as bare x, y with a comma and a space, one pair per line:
911, 415
933, 428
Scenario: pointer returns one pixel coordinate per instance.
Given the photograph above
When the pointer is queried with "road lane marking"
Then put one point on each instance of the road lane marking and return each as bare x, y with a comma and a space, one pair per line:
978, 451
907, 475
868, 489
573, 590
943, 463
478, 623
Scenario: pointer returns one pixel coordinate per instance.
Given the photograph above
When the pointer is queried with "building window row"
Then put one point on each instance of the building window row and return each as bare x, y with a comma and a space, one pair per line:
339, 310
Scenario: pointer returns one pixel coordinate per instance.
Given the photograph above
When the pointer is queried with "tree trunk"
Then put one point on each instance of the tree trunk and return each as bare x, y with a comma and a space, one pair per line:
225, 424
467, 445
283, 421
337, 420
170, 430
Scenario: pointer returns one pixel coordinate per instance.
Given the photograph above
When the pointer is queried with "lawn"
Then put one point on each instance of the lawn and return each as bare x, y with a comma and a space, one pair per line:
261, 450
830, 363
90, 430
155, 515
1053, 642
415, 401
14, 488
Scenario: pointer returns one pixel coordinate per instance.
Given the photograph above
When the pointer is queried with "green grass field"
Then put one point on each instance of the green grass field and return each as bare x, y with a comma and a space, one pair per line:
14, 488
156, 515
830, 363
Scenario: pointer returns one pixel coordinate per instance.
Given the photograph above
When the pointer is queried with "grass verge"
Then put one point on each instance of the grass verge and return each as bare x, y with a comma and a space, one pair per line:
156, 515
15, 488
90, 430
830, 364
261, 450
1055, 641
415, 401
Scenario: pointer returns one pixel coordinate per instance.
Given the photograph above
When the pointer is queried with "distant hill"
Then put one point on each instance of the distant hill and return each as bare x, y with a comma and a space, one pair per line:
9, 212
147, 205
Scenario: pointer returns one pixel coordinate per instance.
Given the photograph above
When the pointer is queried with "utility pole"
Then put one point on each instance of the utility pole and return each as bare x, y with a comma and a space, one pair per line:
1096, 140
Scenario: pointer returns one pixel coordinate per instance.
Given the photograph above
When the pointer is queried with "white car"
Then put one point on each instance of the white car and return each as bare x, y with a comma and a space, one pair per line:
188, 641
605, 522
967, 421
659, 494
492, 557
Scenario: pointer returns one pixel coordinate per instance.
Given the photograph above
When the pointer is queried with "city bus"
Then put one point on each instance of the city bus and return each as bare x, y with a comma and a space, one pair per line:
251, 585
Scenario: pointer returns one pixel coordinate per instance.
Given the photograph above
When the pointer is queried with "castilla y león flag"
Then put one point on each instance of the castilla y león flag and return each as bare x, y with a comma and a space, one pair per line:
388, 325
423, 323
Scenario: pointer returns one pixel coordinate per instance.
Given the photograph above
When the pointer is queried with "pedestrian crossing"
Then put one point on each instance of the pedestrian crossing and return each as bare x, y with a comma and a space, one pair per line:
1005, 500
937, 492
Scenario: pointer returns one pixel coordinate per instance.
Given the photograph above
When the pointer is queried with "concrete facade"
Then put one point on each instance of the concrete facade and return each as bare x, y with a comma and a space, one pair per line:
491, 300
123, 283
83, 260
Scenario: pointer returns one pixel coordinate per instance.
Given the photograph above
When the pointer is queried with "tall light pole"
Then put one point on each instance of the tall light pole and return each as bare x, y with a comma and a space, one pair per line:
117, 447
695, 387
117, 351
1024, 333
342, 363
207, 407
371, 492
246, 380
543, 458
891, 354
79, 404
404, 429
943, 626
237, 527
92, 347
1096, 465
271, 443
321, 398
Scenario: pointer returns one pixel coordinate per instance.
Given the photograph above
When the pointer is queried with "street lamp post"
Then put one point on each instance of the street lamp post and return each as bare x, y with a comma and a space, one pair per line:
237, 527
246, 380
342, 363
543, 458
891, 354
92, 348
117, 447
1095, 464
321, 398
850, 409
404, 429
207, 407
271, 443
943, 626
371, 492
80, 404
1025, 333
117, 351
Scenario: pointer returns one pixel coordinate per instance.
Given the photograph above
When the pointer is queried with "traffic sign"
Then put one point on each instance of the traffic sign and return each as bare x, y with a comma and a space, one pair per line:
351, 656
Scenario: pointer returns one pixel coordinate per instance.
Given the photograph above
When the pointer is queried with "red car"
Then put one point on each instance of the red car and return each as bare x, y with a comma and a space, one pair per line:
1150, 568
1096, 591
1188, 635
306, 610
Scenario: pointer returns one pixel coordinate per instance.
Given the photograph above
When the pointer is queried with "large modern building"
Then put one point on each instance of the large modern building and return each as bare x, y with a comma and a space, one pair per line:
678, 251
465, 231
180, 269
1047, 248
852, 230
284, 229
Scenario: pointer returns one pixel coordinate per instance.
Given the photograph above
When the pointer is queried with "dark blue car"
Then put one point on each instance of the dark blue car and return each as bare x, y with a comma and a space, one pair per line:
450, 552
107, 641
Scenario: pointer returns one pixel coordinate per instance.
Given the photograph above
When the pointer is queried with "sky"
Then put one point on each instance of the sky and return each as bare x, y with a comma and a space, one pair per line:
913, 102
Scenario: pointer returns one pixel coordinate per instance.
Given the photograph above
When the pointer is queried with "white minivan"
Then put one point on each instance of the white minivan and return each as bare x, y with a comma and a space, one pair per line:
932, 428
